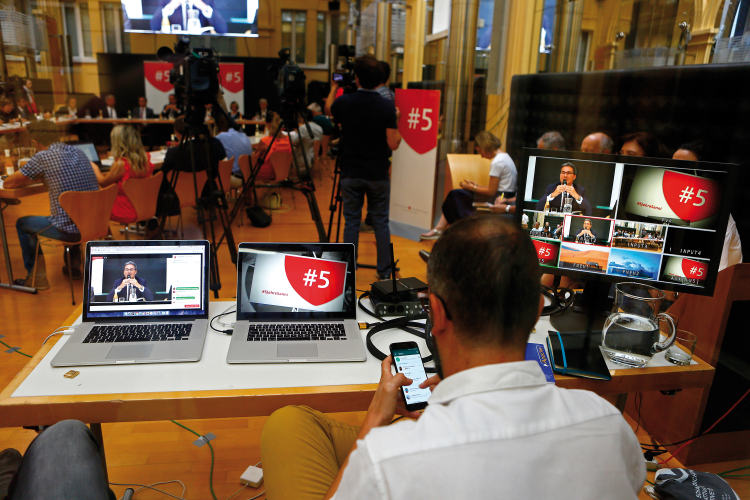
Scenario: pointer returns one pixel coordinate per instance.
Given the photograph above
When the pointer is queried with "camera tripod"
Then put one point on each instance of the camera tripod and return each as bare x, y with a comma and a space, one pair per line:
336, 205
210, 204
304, 182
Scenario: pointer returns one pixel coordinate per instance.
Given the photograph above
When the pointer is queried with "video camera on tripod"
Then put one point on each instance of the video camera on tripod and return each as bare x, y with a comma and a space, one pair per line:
345, 78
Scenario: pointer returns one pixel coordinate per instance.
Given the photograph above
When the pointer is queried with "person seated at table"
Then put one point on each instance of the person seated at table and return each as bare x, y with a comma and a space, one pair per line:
131, 283
24, 110
142, 111
321, 119
586, 235
63, 462
492, 423
8, 111
171, 110
308, 143
177, 160
567, 190
281, 144
70, 109
235, 145
536, 230
502, 182
109, 110
130, 161
63, 168
262, 113
234, 111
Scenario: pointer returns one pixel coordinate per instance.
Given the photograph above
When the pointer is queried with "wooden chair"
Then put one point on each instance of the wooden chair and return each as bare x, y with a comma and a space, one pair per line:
282, 162
461, 167
89, 211
225, 173
143, 193
185, 190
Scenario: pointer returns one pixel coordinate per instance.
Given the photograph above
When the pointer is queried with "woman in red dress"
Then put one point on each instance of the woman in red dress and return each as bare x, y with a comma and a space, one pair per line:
130, 160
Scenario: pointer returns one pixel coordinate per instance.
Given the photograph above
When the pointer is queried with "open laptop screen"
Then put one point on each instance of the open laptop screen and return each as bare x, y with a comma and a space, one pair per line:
88, 149
131, 280
295, 281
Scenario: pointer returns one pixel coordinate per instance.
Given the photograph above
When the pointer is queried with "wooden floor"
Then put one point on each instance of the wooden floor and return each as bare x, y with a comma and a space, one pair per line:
150, 452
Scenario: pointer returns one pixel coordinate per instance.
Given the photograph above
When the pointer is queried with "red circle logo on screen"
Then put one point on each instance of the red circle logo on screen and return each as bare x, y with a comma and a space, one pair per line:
316, 281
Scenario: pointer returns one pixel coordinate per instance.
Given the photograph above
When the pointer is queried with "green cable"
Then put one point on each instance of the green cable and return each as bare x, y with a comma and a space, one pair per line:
649, 482
733, 470
737, 475
211, 473
19, 352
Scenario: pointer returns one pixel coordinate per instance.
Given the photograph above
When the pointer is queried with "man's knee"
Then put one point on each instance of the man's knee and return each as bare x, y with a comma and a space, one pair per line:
68, 430
284, 419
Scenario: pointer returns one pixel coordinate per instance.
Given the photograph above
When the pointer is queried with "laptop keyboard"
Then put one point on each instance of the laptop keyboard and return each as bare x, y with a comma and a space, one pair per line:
139, 333
296, 332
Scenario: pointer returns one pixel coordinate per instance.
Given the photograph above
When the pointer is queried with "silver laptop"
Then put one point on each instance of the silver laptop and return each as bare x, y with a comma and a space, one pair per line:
143, 302
90, 151
296, 302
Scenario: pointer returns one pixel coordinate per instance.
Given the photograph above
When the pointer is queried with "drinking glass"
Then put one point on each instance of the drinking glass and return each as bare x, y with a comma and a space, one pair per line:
194, 22
681, 352
631, 334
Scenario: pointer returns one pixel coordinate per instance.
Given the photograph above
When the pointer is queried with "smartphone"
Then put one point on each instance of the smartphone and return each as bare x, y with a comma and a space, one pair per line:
338, 77
408, 360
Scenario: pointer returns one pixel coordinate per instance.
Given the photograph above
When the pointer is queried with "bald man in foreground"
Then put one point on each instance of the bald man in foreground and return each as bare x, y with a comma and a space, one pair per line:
598, 142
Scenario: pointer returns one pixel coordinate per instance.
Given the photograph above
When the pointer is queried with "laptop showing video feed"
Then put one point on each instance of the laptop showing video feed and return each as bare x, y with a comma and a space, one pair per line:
143, 302
296, 302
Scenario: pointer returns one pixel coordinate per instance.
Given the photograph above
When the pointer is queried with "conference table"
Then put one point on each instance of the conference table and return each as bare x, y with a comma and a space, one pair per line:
212, 388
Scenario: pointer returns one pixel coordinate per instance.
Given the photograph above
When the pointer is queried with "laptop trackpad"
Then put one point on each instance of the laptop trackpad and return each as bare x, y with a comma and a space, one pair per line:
130, 351
297, 350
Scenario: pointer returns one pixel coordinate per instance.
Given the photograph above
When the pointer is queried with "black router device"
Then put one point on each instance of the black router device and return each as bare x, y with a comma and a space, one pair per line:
396, 297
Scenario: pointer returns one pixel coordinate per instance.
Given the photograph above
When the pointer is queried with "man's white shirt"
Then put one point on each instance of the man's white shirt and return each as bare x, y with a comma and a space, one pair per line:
500, 431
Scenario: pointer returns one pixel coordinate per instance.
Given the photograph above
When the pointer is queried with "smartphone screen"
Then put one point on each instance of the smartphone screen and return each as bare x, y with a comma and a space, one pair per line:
408, 361
338, 77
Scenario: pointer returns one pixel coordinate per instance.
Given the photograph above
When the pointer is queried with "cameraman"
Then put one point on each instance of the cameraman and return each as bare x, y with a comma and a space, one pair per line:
369, 125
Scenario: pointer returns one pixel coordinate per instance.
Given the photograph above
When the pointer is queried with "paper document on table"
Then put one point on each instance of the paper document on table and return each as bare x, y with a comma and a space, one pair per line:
158, 156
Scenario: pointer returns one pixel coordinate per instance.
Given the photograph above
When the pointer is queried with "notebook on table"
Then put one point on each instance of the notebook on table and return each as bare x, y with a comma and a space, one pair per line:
143, 302
296, 302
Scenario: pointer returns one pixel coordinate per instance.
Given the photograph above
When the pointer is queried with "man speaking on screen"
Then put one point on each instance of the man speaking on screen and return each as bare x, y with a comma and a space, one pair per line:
566, 191
130, 288
586, 235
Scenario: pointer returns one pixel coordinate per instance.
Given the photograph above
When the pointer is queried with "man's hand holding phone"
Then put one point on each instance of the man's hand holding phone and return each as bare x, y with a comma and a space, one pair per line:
388, 400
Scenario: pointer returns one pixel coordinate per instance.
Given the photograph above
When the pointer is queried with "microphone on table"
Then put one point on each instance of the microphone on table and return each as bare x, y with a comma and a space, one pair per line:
565, 183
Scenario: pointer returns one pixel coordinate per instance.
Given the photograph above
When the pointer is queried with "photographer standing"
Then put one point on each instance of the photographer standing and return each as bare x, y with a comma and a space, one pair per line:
369, 126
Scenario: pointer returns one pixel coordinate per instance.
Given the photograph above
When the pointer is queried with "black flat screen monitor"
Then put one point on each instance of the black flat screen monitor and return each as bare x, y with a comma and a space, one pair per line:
648, 220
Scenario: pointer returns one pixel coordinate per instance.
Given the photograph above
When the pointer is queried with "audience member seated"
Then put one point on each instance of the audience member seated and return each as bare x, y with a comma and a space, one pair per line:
383, 88
69, 110
8, 111
643, 144
321, 119
62, 168
494, 427
24, 112
536, 230
109, 110
558, 193
130, 161
502, 182
262, 113
307, 141
551, 140
731, 253
234, 111
171, 110
179, 160
235, 145
63, 462
281, 144
142, 111
598, 142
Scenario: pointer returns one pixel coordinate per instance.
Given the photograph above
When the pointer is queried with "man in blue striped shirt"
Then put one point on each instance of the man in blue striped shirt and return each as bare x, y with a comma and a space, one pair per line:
63, 168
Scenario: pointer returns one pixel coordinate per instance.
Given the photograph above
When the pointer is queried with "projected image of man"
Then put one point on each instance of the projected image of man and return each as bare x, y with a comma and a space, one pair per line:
586, 235
129, 287
566, 192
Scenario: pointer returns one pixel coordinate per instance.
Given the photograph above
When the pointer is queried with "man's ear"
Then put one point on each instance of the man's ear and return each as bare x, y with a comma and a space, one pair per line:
439, 319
